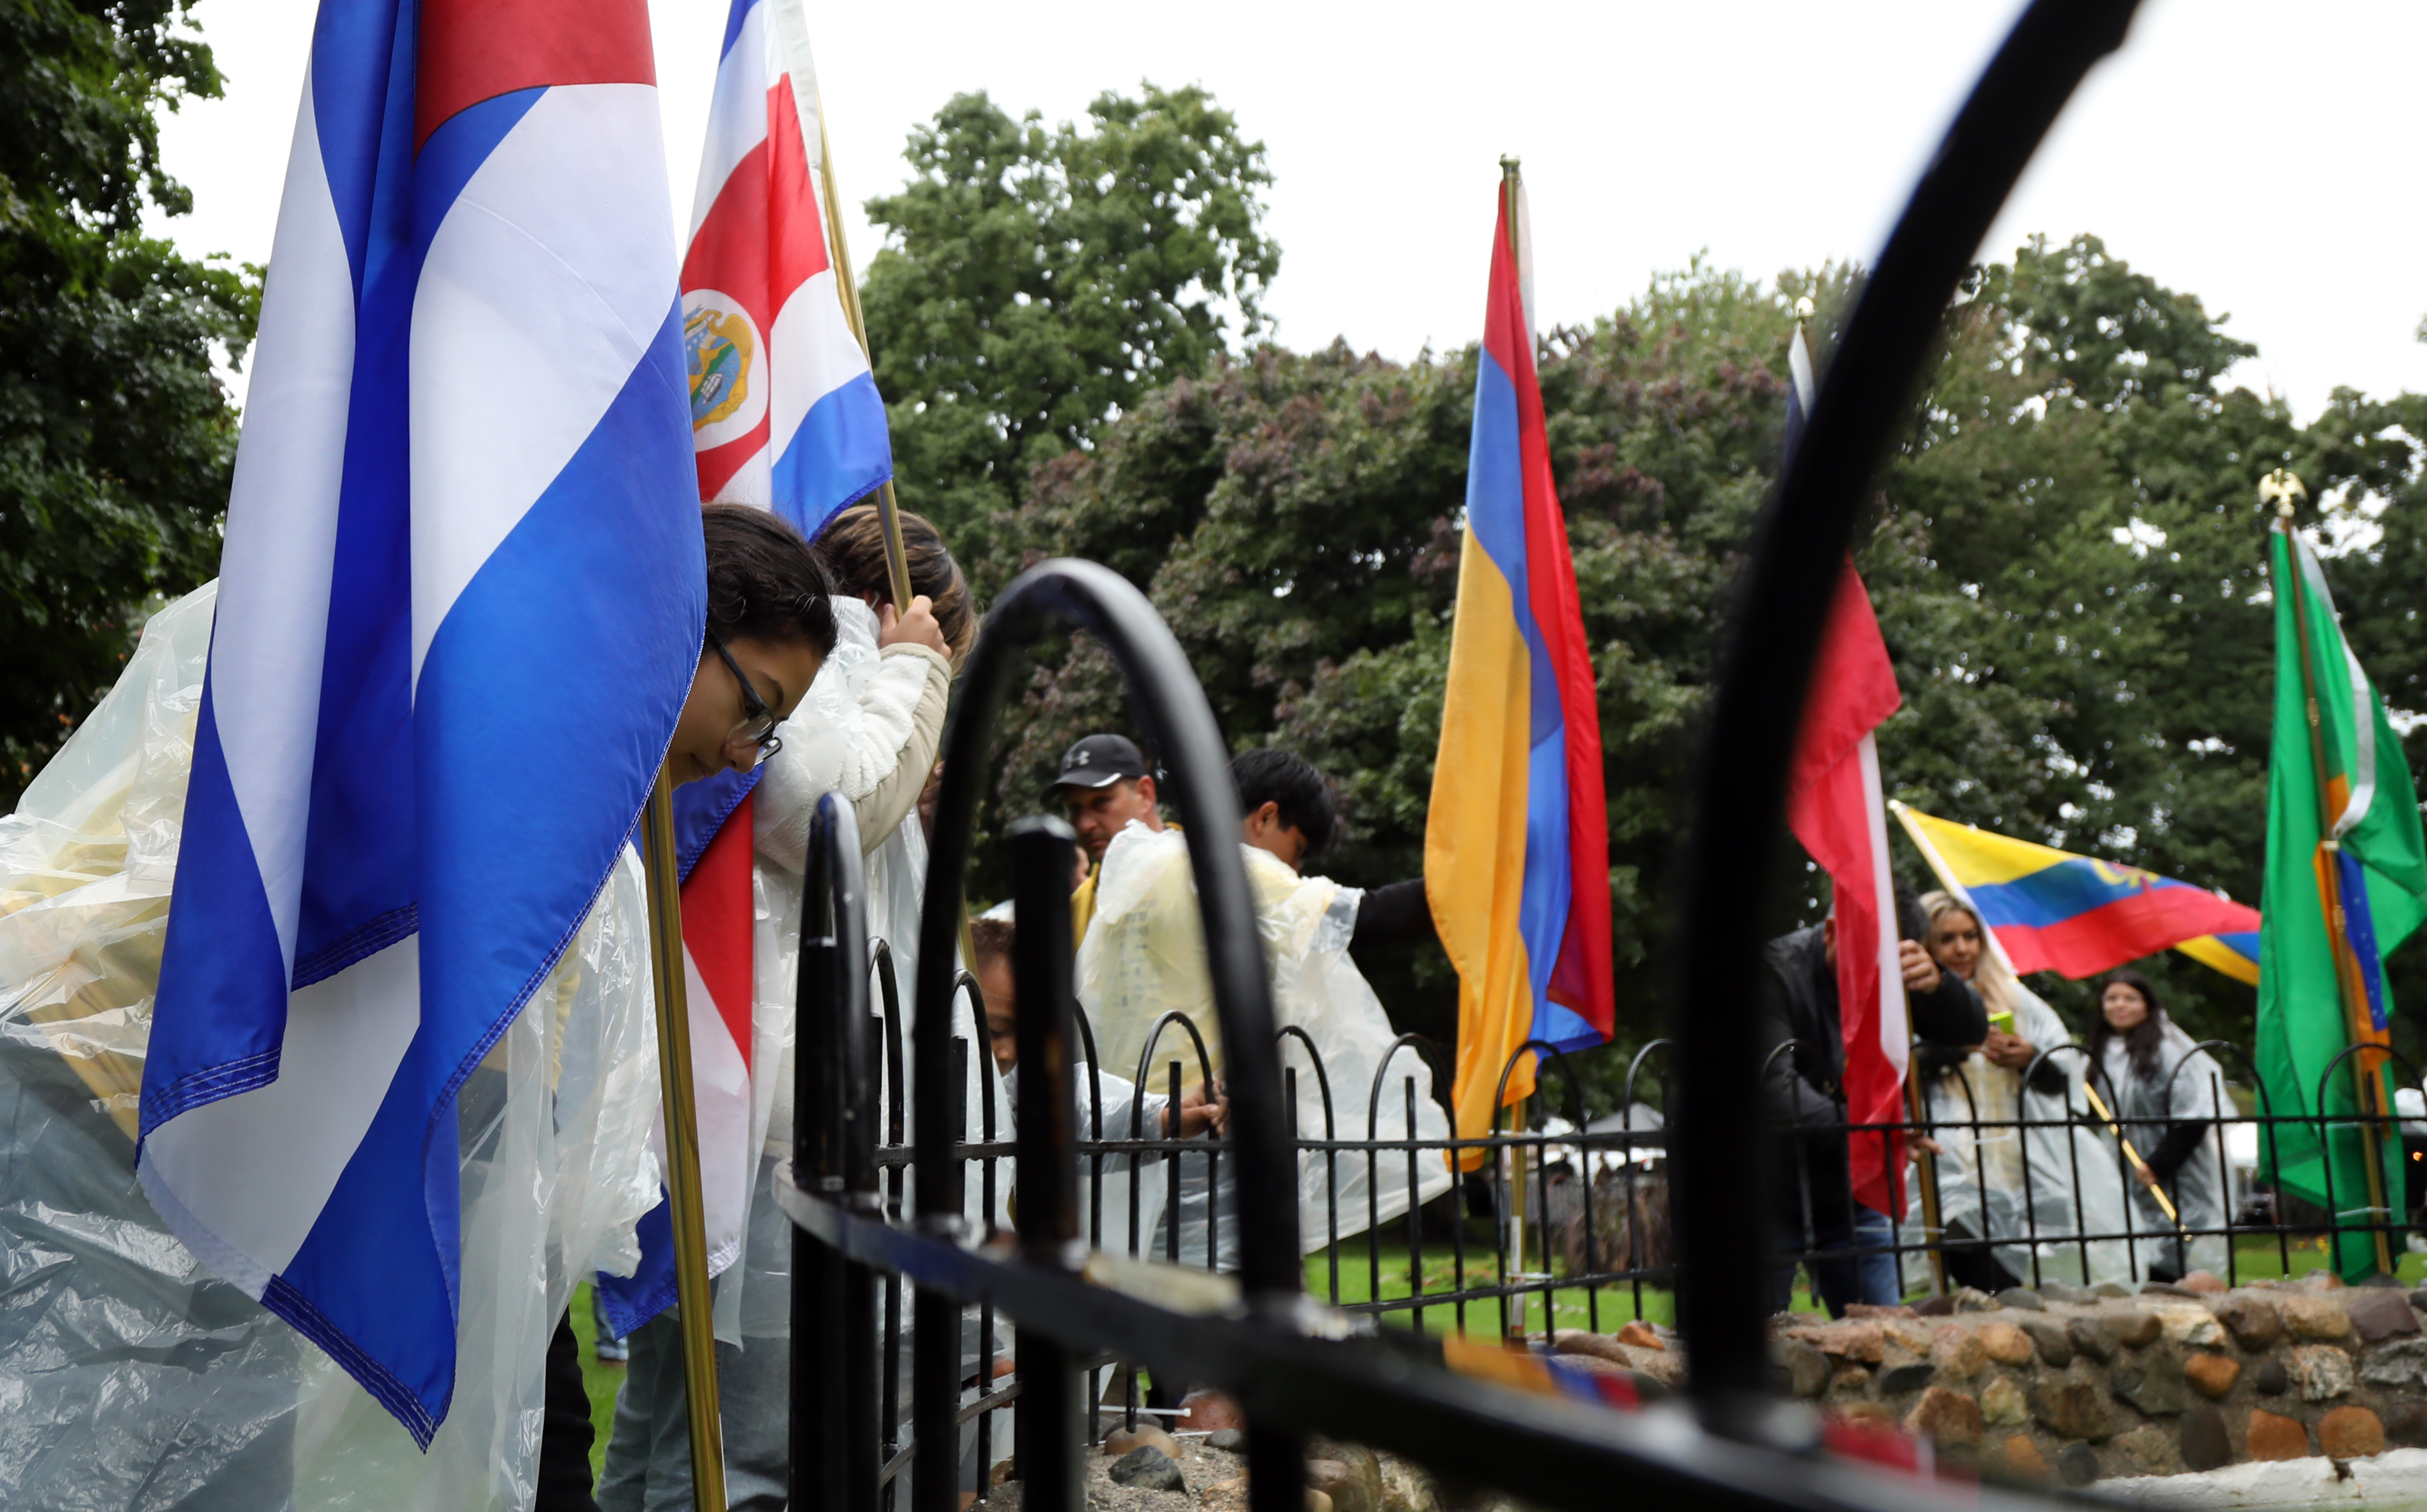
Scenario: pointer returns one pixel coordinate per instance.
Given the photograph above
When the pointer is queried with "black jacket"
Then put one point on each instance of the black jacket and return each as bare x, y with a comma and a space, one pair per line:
1801, 1089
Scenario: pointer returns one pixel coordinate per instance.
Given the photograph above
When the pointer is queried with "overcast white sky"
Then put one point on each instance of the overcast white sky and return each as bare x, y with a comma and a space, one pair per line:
2261, 156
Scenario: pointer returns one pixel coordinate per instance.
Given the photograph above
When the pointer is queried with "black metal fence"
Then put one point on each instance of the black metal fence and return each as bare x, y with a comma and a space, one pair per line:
866, 1231
1563, 1222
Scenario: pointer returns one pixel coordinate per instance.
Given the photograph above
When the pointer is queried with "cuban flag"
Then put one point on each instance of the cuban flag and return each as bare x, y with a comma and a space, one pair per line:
460, 603
783, 409
1516, 838
1836, 809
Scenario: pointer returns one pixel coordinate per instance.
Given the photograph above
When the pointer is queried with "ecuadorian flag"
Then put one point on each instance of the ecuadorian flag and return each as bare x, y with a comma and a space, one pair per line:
2055, 911
1515, 842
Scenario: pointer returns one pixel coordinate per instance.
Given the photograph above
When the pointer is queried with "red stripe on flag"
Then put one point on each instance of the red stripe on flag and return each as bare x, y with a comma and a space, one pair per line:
2105, 938
728, 252
718, 917
475, 50
718, 464
1853, 688
796, 235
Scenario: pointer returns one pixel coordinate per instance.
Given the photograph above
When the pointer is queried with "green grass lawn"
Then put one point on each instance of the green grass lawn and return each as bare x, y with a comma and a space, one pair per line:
2254, 1259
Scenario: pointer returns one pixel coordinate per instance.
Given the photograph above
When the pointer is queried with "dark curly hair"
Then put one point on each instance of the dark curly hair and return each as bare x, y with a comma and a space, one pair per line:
764, 583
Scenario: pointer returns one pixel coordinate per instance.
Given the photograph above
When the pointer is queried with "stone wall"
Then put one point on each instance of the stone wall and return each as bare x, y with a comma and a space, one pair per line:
2076, 1386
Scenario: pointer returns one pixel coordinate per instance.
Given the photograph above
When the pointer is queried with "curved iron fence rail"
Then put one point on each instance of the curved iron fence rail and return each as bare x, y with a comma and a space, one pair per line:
1264, 1345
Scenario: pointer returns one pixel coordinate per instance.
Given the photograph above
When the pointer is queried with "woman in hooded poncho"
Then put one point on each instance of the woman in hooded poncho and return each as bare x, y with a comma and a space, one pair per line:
2019, 1178
2168, 1095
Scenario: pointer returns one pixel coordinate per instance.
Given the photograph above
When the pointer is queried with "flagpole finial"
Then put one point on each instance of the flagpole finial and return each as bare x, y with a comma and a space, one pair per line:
1803, 308
1509, 163
2283, 489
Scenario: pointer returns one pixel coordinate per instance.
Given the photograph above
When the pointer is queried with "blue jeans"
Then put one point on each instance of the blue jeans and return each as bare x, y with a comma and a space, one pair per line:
1843, 1279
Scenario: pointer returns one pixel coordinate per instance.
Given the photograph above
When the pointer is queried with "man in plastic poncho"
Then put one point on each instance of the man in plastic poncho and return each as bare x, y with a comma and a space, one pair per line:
1143, 957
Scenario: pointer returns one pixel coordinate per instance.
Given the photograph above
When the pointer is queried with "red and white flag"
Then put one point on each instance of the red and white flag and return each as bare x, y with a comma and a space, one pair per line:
1837, 809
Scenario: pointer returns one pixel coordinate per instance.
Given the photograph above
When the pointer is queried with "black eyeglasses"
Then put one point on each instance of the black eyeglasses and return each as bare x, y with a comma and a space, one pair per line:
759, 721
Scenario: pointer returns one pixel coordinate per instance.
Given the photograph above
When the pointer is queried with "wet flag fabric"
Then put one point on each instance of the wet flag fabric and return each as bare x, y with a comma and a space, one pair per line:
463, 544
784, 411
2346, 883
1834, 807
2077, 915
1517, 837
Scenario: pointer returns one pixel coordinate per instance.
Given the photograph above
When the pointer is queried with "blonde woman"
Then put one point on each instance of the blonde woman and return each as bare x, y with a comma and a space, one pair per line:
2016, 1171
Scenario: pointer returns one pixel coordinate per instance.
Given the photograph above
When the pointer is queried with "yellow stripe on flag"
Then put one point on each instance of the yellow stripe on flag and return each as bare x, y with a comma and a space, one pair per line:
1475, 841
2210, 952
1977, 858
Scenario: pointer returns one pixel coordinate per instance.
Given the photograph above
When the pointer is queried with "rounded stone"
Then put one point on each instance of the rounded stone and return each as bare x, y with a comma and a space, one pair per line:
2055, 1345
2379, 1315
2273, 1436
2078, 1465
1121, 1440
1902, 1371
2202, 1440
2151, 1450
1957, 1353
2350, 1433
2002, 1403
2072, 1407
1945, 1415
2023, 1297
2093, 1337
2202, 1281
2253, 1319
1850, 1383
1872, 1413
2024, 1461
2308, 1316
2270, 1377
2320, 1372
2212, 1375
1972, 1299
1150, 1470
2005, 1343
2134, 1327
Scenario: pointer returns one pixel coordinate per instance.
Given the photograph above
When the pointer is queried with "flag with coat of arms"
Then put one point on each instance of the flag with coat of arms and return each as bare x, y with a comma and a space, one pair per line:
785, 415
784, 410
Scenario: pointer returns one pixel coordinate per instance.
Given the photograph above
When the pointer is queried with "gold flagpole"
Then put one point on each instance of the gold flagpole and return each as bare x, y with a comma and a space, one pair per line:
693, 1305
2282, 488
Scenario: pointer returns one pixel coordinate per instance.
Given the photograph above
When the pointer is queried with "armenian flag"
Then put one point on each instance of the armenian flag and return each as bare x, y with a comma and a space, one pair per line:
2079, 916
1516, 840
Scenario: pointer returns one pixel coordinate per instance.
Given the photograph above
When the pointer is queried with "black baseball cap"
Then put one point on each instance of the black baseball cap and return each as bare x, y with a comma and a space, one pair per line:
1100, 761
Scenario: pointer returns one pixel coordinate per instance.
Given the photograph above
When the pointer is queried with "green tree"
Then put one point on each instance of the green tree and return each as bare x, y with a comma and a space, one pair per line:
1038, 282
2066, 553
115, 437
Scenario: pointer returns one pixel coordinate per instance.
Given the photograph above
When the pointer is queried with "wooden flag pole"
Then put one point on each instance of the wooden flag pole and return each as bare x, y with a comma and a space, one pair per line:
693, 1308
2283, 488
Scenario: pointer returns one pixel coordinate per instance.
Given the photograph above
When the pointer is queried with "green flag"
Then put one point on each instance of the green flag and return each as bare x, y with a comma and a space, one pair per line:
2346, 883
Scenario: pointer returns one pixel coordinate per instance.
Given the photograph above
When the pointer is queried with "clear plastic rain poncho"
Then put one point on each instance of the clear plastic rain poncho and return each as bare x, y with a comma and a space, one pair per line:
1145, 955
2030, 1190
2185, 1085
132, 1378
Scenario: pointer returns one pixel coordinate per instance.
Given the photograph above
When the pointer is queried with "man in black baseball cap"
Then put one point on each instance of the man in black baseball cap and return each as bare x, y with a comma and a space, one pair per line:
1105, 782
